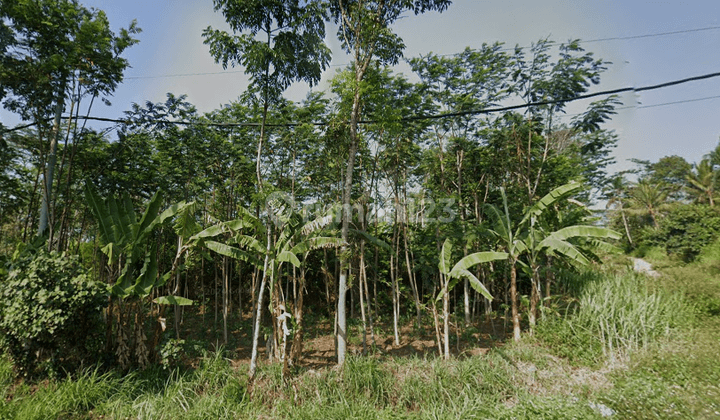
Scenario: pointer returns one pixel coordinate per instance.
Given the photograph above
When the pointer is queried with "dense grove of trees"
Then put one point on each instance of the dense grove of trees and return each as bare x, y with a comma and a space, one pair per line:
670, 205
387, 197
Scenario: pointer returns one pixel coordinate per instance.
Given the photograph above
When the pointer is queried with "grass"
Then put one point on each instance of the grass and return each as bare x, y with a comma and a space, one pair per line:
664, 331
614, 315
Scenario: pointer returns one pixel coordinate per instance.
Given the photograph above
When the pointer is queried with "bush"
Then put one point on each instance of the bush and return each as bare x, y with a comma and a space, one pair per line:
688, 229
50, 313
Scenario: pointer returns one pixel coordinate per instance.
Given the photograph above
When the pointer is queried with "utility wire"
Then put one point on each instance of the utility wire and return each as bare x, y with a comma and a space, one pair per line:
183, 75
423, 117
616, 38
679, 102
650, 106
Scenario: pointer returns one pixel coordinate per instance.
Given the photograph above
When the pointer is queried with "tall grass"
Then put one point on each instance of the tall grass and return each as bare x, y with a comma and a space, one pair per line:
610, 314
626, 314
68, 398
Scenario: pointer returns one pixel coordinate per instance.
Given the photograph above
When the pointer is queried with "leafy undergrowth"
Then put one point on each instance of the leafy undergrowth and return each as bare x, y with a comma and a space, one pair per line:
679, 378
563, 371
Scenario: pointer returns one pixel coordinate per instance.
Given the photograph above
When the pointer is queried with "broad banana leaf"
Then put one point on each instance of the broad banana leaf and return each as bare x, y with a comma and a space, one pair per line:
477, 258
102, 216
475, 283
501, 228
210, 232
185, 224
316, 243
445, 255
120, 225
550, 198
148, 277
150, 215
240, 224
602, 246
456, 275
566, 249
110, 251
583, 231
129, 210
372, 239
287, 256
248, 242
229, 251
173, 300
316, 224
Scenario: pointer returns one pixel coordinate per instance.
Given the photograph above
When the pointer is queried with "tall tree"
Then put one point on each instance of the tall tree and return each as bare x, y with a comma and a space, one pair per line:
291, 47
647, 198
48, 45
364, 29
702, 182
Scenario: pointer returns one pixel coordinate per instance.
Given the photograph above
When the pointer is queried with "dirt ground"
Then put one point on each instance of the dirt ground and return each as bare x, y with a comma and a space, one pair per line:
319, 346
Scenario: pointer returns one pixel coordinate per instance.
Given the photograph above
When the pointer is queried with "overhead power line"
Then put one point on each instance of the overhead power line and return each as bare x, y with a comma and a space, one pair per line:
624, 38
615, 38
184, 74
422, 117
679, 102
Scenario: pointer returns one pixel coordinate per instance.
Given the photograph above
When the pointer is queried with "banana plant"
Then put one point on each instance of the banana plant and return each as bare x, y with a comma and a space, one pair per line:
540, 242
451, 276
525, 238
132, 258
126, 240
294, 238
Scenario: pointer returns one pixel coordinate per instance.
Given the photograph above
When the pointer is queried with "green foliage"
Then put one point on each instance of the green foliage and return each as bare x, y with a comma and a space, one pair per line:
175, 353
671, 173
52, 41
460, 269
687, 229
699, 283
127, 238
626, 314
294, 50
576, 343
50, 313
173, 300
676, 380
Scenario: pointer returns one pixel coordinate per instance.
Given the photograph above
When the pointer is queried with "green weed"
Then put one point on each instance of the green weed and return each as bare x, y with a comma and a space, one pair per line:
626, 314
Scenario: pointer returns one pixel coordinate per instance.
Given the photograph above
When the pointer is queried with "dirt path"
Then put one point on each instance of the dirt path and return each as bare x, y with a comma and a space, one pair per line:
644, 267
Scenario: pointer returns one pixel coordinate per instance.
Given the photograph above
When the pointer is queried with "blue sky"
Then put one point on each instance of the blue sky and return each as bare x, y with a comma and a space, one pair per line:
171, 44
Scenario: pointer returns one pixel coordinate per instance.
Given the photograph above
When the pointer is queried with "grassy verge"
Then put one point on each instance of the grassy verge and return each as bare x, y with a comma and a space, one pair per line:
662, 335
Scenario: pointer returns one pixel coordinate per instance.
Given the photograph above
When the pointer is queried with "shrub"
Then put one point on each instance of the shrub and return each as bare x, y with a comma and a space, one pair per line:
687, 229
50, 313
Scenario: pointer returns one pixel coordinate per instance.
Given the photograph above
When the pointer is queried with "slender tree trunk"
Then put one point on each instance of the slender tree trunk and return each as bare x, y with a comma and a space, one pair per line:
534, 296
50, 168
361, 64
297, 343
446, 317
215, 289
240, 302
654, 219
345, 234
361, 275
176, 308
369, 310
514, 300
225, 293
437, 328
31, 207
549, 277
625, 223
256, 327
408, 262
394, 283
